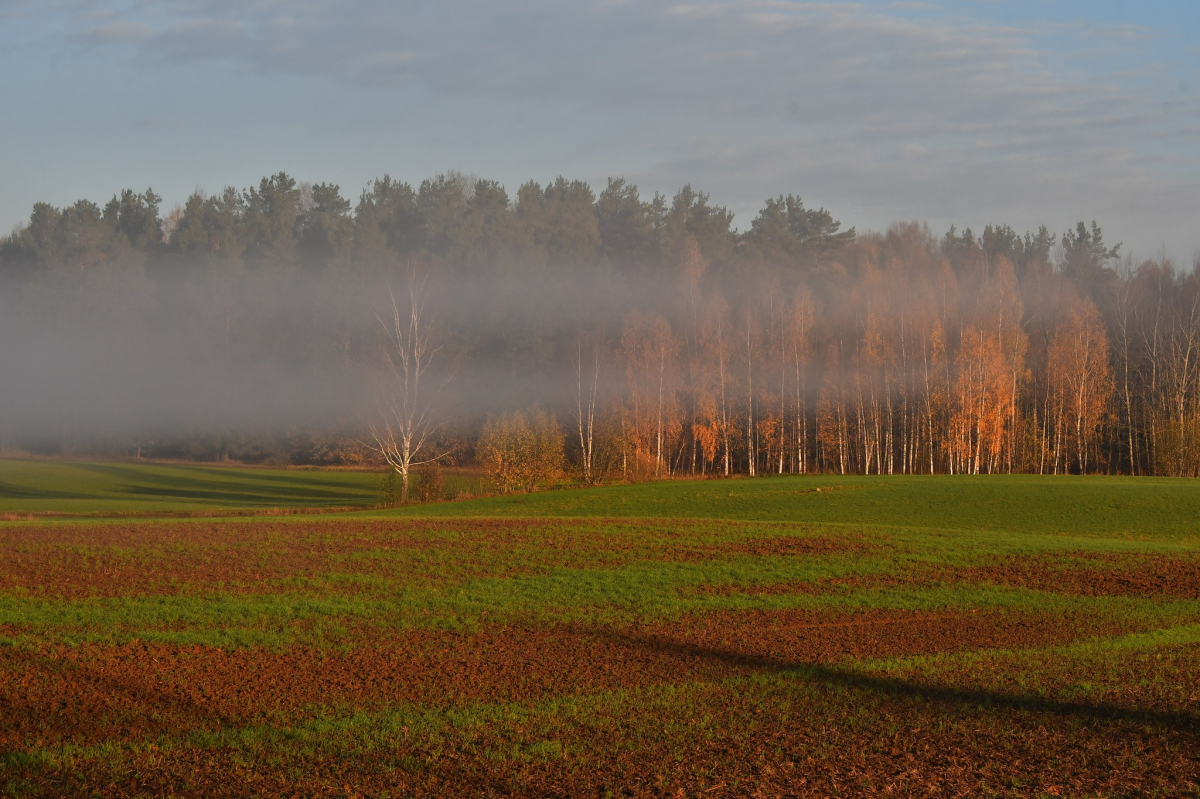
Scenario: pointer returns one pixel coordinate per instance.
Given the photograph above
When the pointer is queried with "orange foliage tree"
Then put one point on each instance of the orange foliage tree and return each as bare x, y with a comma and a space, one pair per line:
1081, 386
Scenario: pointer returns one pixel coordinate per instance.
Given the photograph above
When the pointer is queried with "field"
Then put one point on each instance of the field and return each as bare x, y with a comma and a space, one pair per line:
777, 637
93, 489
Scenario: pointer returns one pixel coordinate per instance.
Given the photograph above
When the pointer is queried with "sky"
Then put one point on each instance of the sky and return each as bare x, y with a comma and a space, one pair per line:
963, 112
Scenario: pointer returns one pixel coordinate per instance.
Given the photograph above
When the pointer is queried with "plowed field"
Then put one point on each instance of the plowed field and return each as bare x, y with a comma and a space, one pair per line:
389, 656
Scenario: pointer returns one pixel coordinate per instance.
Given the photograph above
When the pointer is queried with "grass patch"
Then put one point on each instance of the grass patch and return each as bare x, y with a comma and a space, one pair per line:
714, 638
67, 487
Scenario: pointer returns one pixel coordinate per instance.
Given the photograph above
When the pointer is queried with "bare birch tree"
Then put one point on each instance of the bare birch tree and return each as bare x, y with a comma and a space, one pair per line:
406, 420
585, 409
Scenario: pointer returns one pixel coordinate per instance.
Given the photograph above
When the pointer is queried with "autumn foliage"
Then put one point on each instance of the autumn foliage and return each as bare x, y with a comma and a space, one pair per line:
522, 451
672, 343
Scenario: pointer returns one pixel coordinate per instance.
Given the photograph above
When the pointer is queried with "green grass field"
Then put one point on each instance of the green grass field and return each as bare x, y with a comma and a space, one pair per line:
1017, 503
76, 488
1128, 506
1015, 636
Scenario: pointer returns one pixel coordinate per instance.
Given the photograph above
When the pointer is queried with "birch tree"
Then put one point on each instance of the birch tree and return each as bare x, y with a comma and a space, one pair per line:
409, 389
586, 390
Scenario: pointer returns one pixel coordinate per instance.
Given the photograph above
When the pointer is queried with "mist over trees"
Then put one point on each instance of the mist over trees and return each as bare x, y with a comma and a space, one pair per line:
647, 333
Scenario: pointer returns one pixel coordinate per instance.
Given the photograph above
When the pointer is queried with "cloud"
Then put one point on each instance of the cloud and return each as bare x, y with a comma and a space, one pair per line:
840, 63
1121, 33
117, 33
202, 39
908, 111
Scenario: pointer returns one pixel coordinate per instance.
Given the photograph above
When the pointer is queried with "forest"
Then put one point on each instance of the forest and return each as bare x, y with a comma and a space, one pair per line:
646, 337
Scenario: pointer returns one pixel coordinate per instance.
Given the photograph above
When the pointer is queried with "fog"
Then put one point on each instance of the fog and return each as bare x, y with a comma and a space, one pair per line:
254, 326
182, 360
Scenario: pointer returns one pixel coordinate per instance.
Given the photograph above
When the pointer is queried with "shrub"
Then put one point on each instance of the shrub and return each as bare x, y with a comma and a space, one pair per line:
427, 484
522, 450
431, 484
390, 490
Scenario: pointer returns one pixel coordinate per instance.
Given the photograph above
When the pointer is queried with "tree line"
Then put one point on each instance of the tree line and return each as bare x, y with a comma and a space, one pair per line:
663, 341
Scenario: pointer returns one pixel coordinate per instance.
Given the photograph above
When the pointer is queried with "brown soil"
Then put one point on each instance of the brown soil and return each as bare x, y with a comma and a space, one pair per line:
827, 729
127, 559
1081, 574
775, 546
830, 733
783, 546
1147, 575
91, 693
352, 533
330, 536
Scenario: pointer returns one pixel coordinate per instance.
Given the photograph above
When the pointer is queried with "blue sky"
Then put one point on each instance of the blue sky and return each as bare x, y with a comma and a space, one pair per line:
962, 112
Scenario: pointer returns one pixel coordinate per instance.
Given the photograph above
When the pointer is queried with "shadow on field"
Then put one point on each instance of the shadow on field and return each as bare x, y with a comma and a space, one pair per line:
244, 486
93, 702
9, 491
893, 687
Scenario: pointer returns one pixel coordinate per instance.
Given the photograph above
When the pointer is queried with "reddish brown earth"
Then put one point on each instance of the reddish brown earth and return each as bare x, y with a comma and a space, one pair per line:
822, 726
129, 559
139, 559
1091, 575
92, 693
1080, 574
783, 546
831, 733
340, 535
